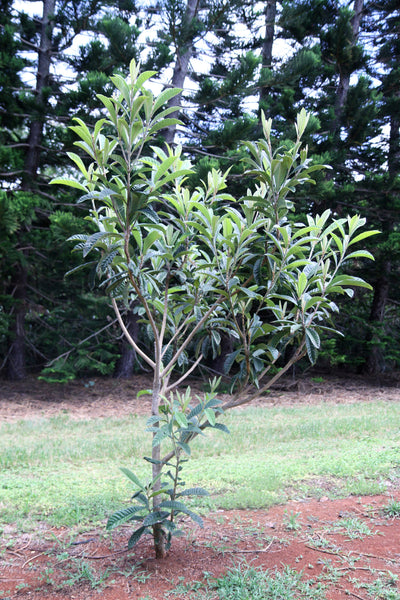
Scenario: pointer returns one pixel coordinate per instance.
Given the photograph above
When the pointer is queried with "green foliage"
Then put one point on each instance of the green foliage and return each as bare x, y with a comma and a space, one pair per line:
176, 425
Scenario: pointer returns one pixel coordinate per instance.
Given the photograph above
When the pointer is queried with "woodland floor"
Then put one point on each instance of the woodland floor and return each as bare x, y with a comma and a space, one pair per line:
349, 545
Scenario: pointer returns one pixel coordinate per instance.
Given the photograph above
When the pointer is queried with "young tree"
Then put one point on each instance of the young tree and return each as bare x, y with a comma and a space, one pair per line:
202, 262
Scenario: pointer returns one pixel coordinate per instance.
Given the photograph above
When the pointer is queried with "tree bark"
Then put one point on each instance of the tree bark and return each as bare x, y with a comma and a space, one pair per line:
16, 364
345, 74
266, 52
375, 361
184, 51
16, 368
32, 158
126, 362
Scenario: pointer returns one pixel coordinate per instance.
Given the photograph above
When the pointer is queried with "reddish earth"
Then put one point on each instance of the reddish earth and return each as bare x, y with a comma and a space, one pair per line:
346, 544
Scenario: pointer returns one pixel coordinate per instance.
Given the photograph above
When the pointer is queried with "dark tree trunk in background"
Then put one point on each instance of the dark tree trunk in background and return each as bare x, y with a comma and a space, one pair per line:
126, 362
42, 80
375, 362
345, 74
15, 363
226, 347
184, 51
266, 52
15, 367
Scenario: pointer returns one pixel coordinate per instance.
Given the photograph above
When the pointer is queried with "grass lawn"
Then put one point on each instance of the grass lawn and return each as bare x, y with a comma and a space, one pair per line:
66, 471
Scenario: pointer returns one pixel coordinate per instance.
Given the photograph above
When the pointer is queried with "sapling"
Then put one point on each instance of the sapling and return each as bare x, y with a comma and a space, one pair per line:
198, 263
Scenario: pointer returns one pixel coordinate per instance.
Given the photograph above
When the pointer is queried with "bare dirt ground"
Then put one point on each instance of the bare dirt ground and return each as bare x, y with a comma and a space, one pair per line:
352, 545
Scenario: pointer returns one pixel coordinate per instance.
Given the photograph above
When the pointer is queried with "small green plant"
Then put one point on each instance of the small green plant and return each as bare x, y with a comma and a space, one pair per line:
392, 509
47, 575
84, 573
246, 582
383, 588
355, 528
291, 521
176, 423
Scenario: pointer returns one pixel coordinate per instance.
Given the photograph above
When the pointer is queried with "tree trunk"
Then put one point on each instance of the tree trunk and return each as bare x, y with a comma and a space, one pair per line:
32, 158
375, 361
266, 52
126, 362
158, 533
345, 74
184, 51
15, 364
16, 368
226, 347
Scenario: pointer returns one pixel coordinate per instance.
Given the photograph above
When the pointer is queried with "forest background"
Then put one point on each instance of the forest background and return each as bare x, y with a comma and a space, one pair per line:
232, 58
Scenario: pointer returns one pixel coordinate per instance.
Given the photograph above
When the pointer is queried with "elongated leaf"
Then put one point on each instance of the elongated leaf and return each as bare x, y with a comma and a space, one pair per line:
69, 182
135, 537
196, 491
185, 447
311, 350
122, 516
174, 505
165, 96
313, 337
158, 516
132, 477
221, 427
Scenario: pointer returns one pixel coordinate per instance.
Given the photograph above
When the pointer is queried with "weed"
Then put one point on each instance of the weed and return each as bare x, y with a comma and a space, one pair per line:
85, 573
355, 528
329, 571
248, 582
392, 509
291, 521
47, 576
382, 589
184, 588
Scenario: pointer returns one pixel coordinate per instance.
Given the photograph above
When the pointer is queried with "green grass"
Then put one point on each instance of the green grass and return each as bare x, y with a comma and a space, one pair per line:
244, 582
66, 471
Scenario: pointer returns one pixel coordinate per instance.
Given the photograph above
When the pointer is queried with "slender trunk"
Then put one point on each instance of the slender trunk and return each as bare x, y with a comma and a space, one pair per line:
266, 52
158, 533
15, 364
32, 158
16, 368
126, 362
342, 91
375, 360
184, 51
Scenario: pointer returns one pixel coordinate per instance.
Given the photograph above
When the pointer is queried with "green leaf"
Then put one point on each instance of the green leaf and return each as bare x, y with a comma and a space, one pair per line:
313, 337
364, 235
165, 96
157, 516
132, 477
174, 505
135, 537
69, 182
122, 516
210, 415
311, 350
196, 491
221, 427
144, 392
